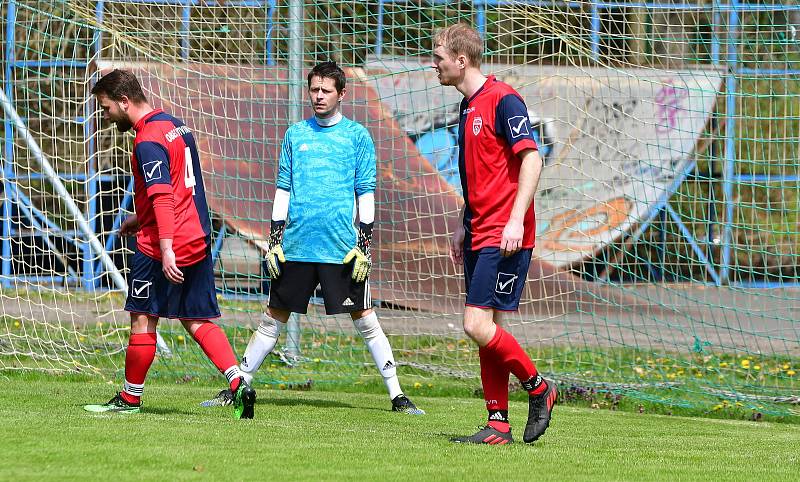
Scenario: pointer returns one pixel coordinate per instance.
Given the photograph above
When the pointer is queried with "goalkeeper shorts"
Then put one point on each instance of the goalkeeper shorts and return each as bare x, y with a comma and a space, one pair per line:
494, 281
151, 293
292, 290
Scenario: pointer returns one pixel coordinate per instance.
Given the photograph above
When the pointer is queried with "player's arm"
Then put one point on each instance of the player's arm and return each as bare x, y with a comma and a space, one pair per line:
513, 124
129, 226
365, 181
154, 166
457, 240
529, 175
280, 210
361, 254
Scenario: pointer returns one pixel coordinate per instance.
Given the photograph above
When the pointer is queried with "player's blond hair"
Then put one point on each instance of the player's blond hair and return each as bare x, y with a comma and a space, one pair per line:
461, 39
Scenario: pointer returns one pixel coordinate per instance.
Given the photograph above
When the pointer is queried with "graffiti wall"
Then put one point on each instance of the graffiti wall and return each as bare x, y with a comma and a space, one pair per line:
616, 143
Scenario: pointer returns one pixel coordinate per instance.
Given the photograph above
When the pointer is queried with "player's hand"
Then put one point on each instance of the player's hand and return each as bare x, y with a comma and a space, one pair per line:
130, 226
512, 237
274, 258
362, 265
169, 267
457, 245
275, 252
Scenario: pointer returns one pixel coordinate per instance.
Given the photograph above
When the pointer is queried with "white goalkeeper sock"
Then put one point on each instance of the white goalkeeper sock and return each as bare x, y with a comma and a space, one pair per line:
381, 351
260, 345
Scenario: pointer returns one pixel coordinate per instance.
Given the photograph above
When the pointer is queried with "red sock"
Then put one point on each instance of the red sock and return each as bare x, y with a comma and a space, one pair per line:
506, 349
138, 358
217, 348
494, 378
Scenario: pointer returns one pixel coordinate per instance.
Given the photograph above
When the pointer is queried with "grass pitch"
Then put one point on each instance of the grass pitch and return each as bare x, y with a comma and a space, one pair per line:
317, 435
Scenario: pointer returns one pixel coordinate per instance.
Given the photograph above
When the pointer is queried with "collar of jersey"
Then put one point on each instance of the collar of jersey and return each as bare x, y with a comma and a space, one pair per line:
146, 117
486, 85
337, 118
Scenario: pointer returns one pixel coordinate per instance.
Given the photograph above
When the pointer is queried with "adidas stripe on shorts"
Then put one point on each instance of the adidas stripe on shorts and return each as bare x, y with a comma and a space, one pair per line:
293, 289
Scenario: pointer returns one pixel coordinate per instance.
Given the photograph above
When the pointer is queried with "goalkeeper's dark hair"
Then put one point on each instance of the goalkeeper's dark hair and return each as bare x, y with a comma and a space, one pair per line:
329, 70
118, 84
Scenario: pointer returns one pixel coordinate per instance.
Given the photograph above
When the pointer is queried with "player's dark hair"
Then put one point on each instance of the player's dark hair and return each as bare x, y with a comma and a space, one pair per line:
329, 70
120, 83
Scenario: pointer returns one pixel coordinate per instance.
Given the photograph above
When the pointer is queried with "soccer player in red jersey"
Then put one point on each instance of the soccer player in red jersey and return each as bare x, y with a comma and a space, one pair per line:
172, 272
499, 165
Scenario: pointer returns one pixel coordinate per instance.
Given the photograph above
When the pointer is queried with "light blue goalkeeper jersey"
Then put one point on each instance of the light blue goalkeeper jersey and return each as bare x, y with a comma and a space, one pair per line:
324, 169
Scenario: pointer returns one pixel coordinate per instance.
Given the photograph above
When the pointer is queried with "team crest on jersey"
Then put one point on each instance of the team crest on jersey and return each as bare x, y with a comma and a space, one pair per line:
477, 123
518, 126
152, 171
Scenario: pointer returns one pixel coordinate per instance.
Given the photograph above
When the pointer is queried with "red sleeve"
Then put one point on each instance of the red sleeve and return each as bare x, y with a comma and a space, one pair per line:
164, 209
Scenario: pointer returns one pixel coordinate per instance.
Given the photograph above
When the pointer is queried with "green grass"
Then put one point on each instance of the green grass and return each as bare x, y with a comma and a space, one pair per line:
347, 436
717, 385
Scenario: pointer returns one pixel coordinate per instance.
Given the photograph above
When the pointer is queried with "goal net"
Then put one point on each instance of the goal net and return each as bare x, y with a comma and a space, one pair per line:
667, 232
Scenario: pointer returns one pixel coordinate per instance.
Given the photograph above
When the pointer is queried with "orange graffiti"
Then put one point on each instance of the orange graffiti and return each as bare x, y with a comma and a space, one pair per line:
564, 237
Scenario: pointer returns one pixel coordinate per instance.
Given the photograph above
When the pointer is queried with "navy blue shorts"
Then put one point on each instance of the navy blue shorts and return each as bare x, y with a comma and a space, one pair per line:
150, 293
494, 281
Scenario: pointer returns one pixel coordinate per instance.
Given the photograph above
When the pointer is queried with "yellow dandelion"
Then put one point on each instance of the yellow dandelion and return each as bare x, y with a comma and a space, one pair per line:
16, 324
82, 339
785, 366
790, 373
745, 363
417, 385
181, 338
282, 386
723, 365
717, 407
756, 367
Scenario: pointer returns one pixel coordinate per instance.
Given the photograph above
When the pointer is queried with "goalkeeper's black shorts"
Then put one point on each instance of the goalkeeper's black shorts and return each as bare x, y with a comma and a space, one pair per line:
292, 290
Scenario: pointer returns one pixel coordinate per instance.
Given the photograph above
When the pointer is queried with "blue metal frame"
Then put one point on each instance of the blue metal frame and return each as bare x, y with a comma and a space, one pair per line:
8, 161
729, 58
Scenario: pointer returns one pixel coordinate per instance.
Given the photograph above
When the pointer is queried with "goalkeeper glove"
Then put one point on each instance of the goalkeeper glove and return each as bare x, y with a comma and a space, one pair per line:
361, 253
275, 253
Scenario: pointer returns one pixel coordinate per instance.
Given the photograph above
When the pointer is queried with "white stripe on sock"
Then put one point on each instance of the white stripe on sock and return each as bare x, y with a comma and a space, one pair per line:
233, 373
133, 389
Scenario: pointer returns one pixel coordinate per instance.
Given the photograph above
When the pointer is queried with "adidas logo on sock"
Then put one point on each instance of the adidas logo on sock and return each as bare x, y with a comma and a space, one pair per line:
498, 416
347, 302
532, 383
388, 365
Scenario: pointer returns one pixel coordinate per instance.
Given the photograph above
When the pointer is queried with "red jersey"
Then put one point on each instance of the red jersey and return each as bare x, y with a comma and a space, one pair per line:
493, 129
165, 160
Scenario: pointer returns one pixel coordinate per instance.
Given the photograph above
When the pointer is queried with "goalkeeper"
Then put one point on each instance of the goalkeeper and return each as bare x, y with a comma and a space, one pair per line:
327, 163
